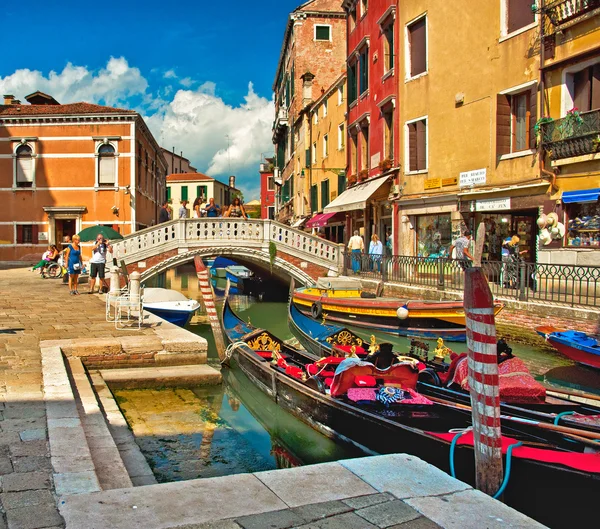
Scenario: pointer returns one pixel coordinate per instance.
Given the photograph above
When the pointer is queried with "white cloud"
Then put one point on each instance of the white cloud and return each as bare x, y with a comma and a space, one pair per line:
219, 138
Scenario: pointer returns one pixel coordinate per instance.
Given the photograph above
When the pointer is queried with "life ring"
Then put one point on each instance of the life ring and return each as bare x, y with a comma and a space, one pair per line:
316, 310
429, 376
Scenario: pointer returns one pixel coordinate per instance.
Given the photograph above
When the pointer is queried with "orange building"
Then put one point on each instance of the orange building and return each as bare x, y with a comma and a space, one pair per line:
64, 168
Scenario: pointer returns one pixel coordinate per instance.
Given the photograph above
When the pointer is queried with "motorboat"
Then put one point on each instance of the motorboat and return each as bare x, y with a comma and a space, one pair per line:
170, 305
578, 346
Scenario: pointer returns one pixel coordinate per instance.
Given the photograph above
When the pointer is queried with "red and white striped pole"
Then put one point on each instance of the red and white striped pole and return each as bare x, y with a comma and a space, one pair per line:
209, 304
483, 380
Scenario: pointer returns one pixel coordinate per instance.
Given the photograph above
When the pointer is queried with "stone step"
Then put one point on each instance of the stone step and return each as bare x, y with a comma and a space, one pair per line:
167, 376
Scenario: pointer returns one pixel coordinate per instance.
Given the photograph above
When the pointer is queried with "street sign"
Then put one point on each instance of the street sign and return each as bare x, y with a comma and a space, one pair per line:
473, 178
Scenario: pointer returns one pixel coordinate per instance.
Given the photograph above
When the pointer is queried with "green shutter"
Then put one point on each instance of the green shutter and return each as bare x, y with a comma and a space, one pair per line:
184, 192
291, 186
324, 193
205, 192
322, 32
314, 198
352, 92
198, 191
168, 193
285, 191
307, 158
341, 183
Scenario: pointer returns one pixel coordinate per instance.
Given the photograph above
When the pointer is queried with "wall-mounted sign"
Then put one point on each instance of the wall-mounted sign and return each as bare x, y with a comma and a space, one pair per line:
433, 183
493, 204
375, 159
452, 181
473, 178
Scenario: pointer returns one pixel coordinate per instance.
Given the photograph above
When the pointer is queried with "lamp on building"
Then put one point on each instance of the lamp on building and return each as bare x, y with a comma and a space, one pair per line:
302, 173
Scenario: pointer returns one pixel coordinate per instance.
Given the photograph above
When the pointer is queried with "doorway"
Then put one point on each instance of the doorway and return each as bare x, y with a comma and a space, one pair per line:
64, 227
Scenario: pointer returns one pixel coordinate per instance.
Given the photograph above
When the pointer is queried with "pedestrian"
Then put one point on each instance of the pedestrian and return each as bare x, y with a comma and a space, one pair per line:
98, 264
375, 252
357, 247
461, 245
196, 208
236, 209
388, 243
164, 215
74, 264
183, 212
212, 209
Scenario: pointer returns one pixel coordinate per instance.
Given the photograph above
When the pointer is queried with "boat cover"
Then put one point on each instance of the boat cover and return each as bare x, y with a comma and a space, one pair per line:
158, 295
339, 283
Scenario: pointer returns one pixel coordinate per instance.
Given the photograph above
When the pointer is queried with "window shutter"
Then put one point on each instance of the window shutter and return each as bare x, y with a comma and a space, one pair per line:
418, 47
106, 172
503, 131
34, 233
519, 14
581, 90
184, 192
19, 234
421, 145
314, 198
595, 87
25, 170
532, 118
412, 147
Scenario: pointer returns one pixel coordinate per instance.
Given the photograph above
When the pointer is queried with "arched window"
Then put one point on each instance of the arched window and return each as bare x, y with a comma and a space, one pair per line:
24, 166
106, 165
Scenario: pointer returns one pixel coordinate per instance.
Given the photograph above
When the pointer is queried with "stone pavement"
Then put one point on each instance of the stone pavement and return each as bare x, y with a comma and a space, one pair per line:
32, 309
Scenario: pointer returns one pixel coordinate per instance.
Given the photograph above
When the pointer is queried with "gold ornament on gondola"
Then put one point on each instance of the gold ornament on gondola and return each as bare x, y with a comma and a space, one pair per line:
441, 351
373, 347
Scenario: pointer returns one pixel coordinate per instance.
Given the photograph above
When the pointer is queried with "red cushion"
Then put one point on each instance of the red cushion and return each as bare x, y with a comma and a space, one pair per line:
294, 371
265, 354
366, 381
330, 360
328, 382
400, 373
313, 369
282, 363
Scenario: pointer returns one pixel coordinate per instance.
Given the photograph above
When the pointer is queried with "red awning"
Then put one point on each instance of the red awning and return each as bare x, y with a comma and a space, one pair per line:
319, 220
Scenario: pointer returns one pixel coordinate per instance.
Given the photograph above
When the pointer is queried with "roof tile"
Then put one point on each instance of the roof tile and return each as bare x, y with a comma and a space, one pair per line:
70, 109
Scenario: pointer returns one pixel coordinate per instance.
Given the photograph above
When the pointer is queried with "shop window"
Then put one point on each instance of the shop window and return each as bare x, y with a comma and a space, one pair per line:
388, 133
586, 88
516, 115
417, 47
24, 167
584, 224
434, 235
352, 83
417, 145
106, 166
363, 60
518, 14
388, 46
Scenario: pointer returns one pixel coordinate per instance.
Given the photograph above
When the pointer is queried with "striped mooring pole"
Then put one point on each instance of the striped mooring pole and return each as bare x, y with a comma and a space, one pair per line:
208, 297
483, 381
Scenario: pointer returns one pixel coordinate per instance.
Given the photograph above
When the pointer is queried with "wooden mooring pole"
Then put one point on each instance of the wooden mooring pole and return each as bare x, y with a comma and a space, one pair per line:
208, 296
483, 375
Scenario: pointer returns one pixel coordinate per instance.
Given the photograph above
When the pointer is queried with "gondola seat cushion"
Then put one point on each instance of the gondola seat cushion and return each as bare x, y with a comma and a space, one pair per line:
402, 374
333, 360
365, 381
313, 369
294, 371
328, 381
265, 354
362, 394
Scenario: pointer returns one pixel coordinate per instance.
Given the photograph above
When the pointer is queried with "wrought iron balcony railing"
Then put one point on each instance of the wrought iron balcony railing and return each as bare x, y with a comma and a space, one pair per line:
562, 11
572, 136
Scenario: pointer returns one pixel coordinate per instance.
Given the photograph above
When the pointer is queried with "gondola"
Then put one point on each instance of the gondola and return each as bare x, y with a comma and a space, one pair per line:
542, 480
322, 338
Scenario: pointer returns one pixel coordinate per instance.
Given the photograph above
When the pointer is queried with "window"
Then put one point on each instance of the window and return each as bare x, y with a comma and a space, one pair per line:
354, 153
316, 117
314, 198
324, 193
352, 83
106, 166
270, 183
352, 17
325, 146
184, 192
340, 92
322, 32
313, 156
417, 47
202, 192
341, 183
341, 136
363, 60
388, 133
518, 14
586, 88
169, 194
271, 212
434, 234
364, 5
27, 234
515, 122
24, 166
388, 47
417, 145
364, 151
325, 108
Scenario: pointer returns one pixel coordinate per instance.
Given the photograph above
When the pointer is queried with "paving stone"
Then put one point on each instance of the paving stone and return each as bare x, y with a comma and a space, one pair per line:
30, 448
33, 517
33, 435
25, 481
220, 524
16, 500
6, 466
347, 520
388, 514
31, 463
360, 502
283, 519
318, 511
76, 483
418, 523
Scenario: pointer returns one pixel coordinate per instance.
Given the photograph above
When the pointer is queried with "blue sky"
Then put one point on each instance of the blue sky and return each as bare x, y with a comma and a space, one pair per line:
187, 69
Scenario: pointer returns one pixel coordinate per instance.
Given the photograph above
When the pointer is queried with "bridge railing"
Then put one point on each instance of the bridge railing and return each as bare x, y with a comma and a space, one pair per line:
228, 232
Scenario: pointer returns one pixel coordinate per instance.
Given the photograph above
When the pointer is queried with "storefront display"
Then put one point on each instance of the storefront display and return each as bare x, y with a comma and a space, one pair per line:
499, 226
583, 225
434, 235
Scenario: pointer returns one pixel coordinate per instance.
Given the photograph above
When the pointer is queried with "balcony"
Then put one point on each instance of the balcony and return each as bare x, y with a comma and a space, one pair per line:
561, 12
280, 123
567, 137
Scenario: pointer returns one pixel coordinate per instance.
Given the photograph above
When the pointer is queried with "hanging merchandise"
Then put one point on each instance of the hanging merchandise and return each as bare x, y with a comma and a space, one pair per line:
542, 221
551, 219
545, 237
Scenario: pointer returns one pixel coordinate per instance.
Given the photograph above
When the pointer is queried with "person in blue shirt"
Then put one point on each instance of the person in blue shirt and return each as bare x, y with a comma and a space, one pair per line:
212, 209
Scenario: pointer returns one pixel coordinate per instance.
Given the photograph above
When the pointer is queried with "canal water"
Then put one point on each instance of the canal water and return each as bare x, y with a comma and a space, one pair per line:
234, 428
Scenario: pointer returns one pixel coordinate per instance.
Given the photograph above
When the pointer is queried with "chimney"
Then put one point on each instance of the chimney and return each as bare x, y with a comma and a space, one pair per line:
8, 99
232, 181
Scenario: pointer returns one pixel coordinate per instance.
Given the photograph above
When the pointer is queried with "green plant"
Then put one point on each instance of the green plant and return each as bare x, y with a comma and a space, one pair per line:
538, 126
569, 122
272, 254
596, 143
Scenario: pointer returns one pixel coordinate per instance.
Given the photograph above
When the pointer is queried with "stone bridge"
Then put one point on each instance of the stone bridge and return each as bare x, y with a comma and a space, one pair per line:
297, 254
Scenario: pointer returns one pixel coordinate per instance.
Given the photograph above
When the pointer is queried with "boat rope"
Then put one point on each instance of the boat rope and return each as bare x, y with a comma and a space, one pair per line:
462, 431
230, 348
561, 415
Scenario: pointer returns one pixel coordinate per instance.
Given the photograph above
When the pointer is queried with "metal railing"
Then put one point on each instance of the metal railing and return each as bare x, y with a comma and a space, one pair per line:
561, 11
572, 135
572, 285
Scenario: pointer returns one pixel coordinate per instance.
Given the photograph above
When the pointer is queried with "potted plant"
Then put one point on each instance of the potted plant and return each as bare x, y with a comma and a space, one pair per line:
363, 175
386, 164
351, 179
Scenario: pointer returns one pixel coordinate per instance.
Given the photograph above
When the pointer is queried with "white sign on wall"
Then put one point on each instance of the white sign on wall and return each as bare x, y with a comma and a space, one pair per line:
472, 178
493, 204
375, 159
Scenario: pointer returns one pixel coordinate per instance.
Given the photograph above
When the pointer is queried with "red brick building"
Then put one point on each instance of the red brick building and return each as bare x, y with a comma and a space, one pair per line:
267, 190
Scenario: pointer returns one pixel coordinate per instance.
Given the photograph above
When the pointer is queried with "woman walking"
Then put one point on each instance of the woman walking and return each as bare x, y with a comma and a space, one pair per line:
74, 264
375, 252
236, 210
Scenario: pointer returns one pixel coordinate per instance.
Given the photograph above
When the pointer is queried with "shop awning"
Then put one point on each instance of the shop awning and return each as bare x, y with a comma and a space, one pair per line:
583, 195
319, 220
299, 222
356, 197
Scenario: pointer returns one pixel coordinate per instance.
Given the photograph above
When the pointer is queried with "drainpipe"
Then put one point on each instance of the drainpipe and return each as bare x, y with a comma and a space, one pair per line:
310, 121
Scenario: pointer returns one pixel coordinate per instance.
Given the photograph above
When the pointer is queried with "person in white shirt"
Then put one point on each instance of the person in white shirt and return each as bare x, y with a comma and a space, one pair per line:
183, 212
98, 263
357, 247
375, 252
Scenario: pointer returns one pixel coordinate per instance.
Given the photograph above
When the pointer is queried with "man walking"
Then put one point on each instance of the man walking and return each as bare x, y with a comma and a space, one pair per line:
462, 250
98, 264
164, 215
356, 246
